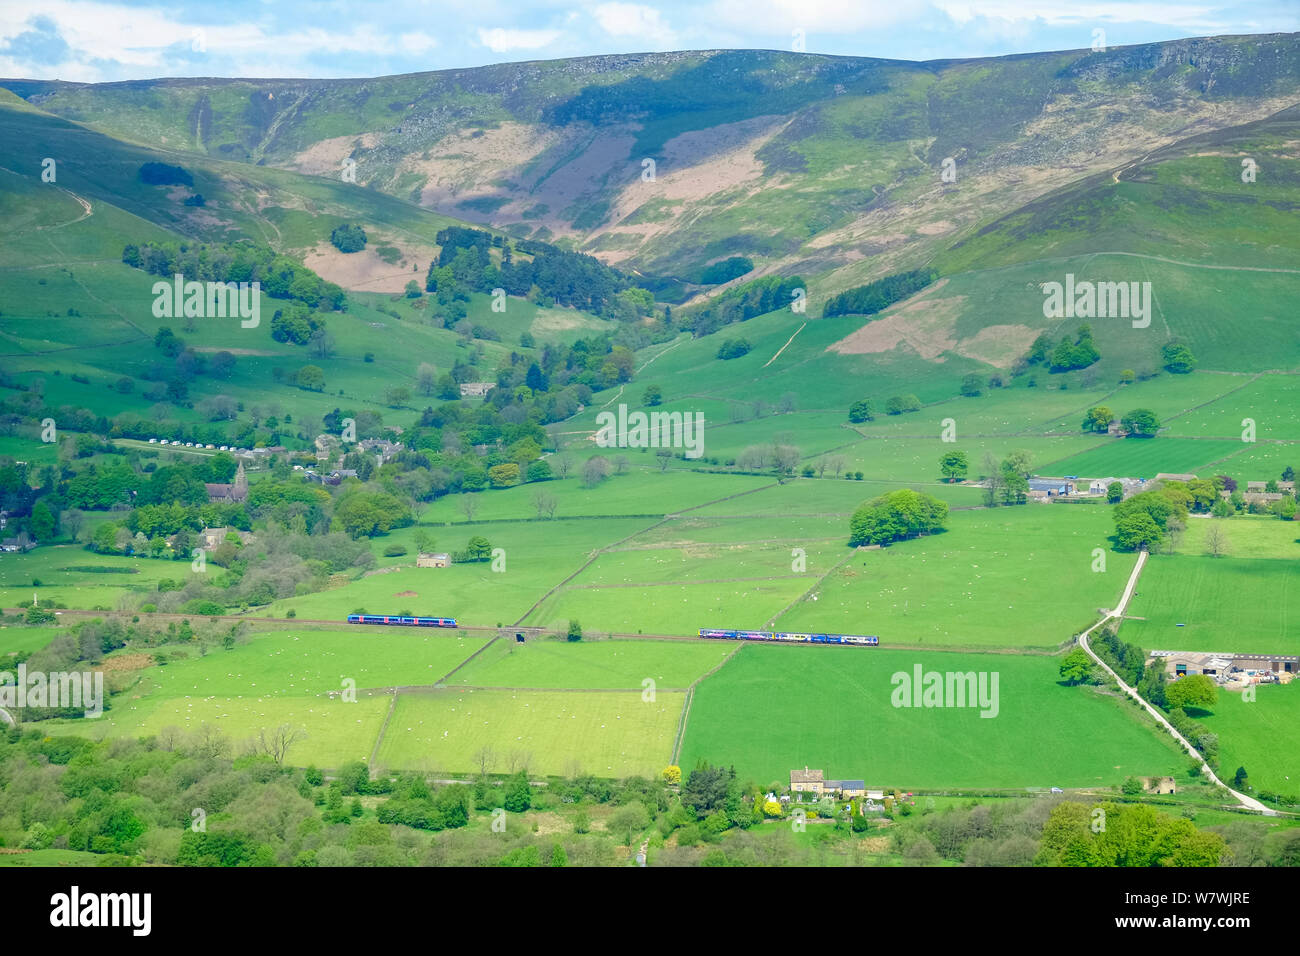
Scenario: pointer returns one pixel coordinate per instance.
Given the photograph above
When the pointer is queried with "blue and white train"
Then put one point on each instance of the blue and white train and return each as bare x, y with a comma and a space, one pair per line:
861, 640
406, 621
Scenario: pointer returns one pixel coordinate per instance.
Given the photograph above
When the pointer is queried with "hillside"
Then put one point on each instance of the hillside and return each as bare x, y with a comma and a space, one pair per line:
813, 165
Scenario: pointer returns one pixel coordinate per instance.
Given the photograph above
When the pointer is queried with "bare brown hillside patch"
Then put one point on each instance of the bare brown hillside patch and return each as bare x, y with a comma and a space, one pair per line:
127, 662
924, 323
998, 345
325, 158
364, 271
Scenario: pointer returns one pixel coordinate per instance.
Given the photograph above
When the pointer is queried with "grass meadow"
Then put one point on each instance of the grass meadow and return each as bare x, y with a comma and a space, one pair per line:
774, 708
606, 733
1262, 735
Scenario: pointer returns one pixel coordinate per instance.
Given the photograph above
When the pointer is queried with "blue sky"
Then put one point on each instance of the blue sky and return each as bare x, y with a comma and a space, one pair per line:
92, 40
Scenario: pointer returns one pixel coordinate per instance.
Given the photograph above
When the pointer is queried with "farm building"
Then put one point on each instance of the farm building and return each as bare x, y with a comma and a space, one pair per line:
1261, 487
1247, 668
1159, 785
429, 560
1054, 487
476, 389
846, 788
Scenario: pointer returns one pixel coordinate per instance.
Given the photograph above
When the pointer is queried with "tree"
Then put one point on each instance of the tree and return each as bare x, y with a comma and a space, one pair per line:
469, 506
1137, 531
1178, 358
1222, 509
485, 757
545, 504
954, 465
899, 404
575, 631
503, 476
426, 378
595, 470
1141, 423
311, 378
1098, 419
276, 743
1114, 492
1077, 666
478, 548
519, 794
895, 516
348, 237
734, 348
1216, 540
413, 290
972, 386
1194, 690
665, 458
861, 411
1288, 473
672, 775
652, 396
1241, 779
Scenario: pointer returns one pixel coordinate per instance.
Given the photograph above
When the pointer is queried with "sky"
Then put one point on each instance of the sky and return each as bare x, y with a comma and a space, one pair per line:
96, 41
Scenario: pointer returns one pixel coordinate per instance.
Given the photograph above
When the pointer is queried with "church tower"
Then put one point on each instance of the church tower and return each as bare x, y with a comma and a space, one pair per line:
241, 480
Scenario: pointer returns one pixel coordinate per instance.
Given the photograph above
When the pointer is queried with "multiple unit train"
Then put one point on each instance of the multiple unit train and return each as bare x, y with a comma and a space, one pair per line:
861, 640
407, 621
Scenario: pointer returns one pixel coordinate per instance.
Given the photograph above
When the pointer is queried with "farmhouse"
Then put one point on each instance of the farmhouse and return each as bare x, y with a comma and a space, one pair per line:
1261, 487
386, 450
238, 491
215, 537
813, 781
428, 560
806, 781
476, 389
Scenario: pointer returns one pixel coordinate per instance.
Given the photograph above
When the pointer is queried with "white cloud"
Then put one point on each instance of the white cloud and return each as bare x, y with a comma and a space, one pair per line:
500, 40
635, 20
1070, 12
780, 17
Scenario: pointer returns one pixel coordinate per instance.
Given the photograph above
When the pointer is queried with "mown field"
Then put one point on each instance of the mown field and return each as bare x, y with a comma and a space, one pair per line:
1234, 605
772, 709
594, 666
606, 733
1007, 577
1262, 735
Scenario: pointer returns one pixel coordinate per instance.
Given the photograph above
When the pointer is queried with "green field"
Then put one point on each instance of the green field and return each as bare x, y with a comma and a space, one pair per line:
772, 709
1262, 735
1007, 577
305, 661
1197, 602
609, 734
593, 666
17, 639
1148, 457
